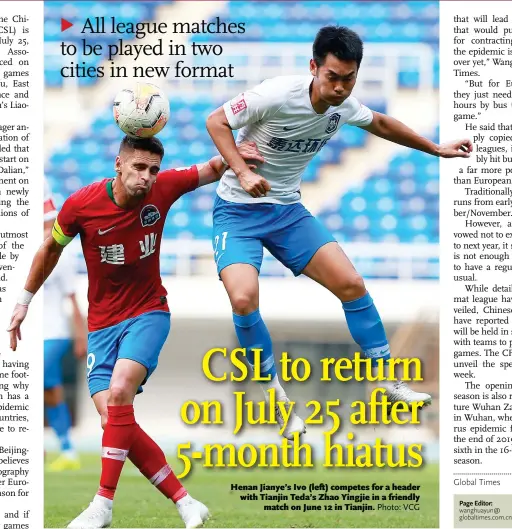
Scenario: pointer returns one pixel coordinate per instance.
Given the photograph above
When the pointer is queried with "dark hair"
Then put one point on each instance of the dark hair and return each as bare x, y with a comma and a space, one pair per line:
152, 145
341, 41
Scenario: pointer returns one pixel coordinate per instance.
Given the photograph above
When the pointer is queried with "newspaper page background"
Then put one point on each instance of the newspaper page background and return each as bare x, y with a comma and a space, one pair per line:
21, 120
476, 356
81, 140
461, 487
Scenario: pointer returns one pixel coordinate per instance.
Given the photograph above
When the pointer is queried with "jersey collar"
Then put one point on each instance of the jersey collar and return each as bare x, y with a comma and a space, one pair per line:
110, 191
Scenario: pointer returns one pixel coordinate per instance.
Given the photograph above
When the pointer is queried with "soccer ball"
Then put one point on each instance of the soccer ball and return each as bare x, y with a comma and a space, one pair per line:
141, 112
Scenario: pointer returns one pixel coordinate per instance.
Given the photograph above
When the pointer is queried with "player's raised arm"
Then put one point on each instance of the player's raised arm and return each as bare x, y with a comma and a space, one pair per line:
260, 103
45, 260
213, 170
43, 264
393, 130
222, 135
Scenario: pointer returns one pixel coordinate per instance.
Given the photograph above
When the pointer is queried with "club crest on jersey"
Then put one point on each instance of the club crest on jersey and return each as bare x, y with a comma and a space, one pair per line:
332, 125
149, 215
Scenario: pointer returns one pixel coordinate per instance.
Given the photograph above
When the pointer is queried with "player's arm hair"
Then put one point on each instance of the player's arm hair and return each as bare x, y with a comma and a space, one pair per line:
211, 171
222, 135
43, 264
393, 130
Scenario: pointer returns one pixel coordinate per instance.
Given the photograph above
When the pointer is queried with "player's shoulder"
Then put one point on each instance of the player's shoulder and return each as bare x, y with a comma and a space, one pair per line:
87, 194
172, 171
351, 103
175, 181
175, 175
277, 92
285, 85
353, 112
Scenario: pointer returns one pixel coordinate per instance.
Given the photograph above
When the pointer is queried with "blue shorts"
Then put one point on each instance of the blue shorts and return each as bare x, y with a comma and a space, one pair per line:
289, 232
139, 339
54, 351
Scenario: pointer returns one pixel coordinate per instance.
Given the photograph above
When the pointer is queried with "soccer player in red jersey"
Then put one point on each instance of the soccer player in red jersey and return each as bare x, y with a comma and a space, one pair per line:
120, 222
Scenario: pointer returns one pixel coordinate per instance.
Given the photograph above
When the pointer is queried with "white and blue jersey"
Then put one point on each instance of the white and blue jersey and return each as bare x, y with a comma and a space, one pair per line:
278, 116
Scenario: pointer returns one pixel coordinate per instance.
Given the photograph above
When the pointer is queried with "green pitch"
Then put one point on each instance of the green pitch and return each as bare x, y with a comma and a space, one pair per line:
139, 504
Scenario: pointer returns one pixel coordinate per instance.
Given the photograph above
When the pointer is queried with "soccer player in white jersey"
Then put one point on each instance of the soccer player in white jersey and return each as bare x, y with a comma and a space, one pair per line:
290, 119
61, 334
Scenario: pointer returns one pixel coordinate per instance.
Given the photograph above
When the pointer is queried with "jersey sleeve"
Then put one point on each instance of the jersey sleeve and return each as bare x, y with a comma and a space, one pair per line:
359, 115
66, 224
173, 183
258, 104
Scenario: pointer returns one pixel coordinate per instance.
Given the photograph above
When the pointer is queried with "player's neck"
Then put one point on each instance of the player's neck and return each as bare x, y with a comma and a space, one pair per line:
319, 106
121, 197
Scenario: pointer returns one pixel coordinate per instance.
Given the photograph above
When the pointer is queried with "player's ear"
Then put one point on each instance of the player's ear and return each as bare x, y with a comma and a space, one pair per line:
117, 165
313, 67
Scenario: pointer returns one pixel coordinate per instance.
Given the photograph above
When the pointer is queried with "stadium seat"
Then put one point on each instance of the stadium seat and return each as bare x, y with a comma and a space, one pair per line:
398, 204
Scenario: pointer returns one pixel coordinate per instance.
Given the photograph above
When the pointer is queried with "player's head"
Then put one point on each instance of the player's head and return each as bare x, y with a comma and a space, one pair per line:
337, 55
138, 164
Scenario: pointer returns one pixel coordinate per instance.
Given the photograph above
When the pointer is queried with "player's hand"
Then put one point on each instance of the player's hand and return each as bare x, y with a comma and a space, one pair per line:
18, 315
248, 150
254, 184
456, 149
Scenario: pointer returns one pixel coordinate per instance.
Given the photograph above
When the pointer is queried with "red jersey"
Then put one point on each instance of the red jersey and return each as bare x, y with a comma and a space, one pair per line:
122, 247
